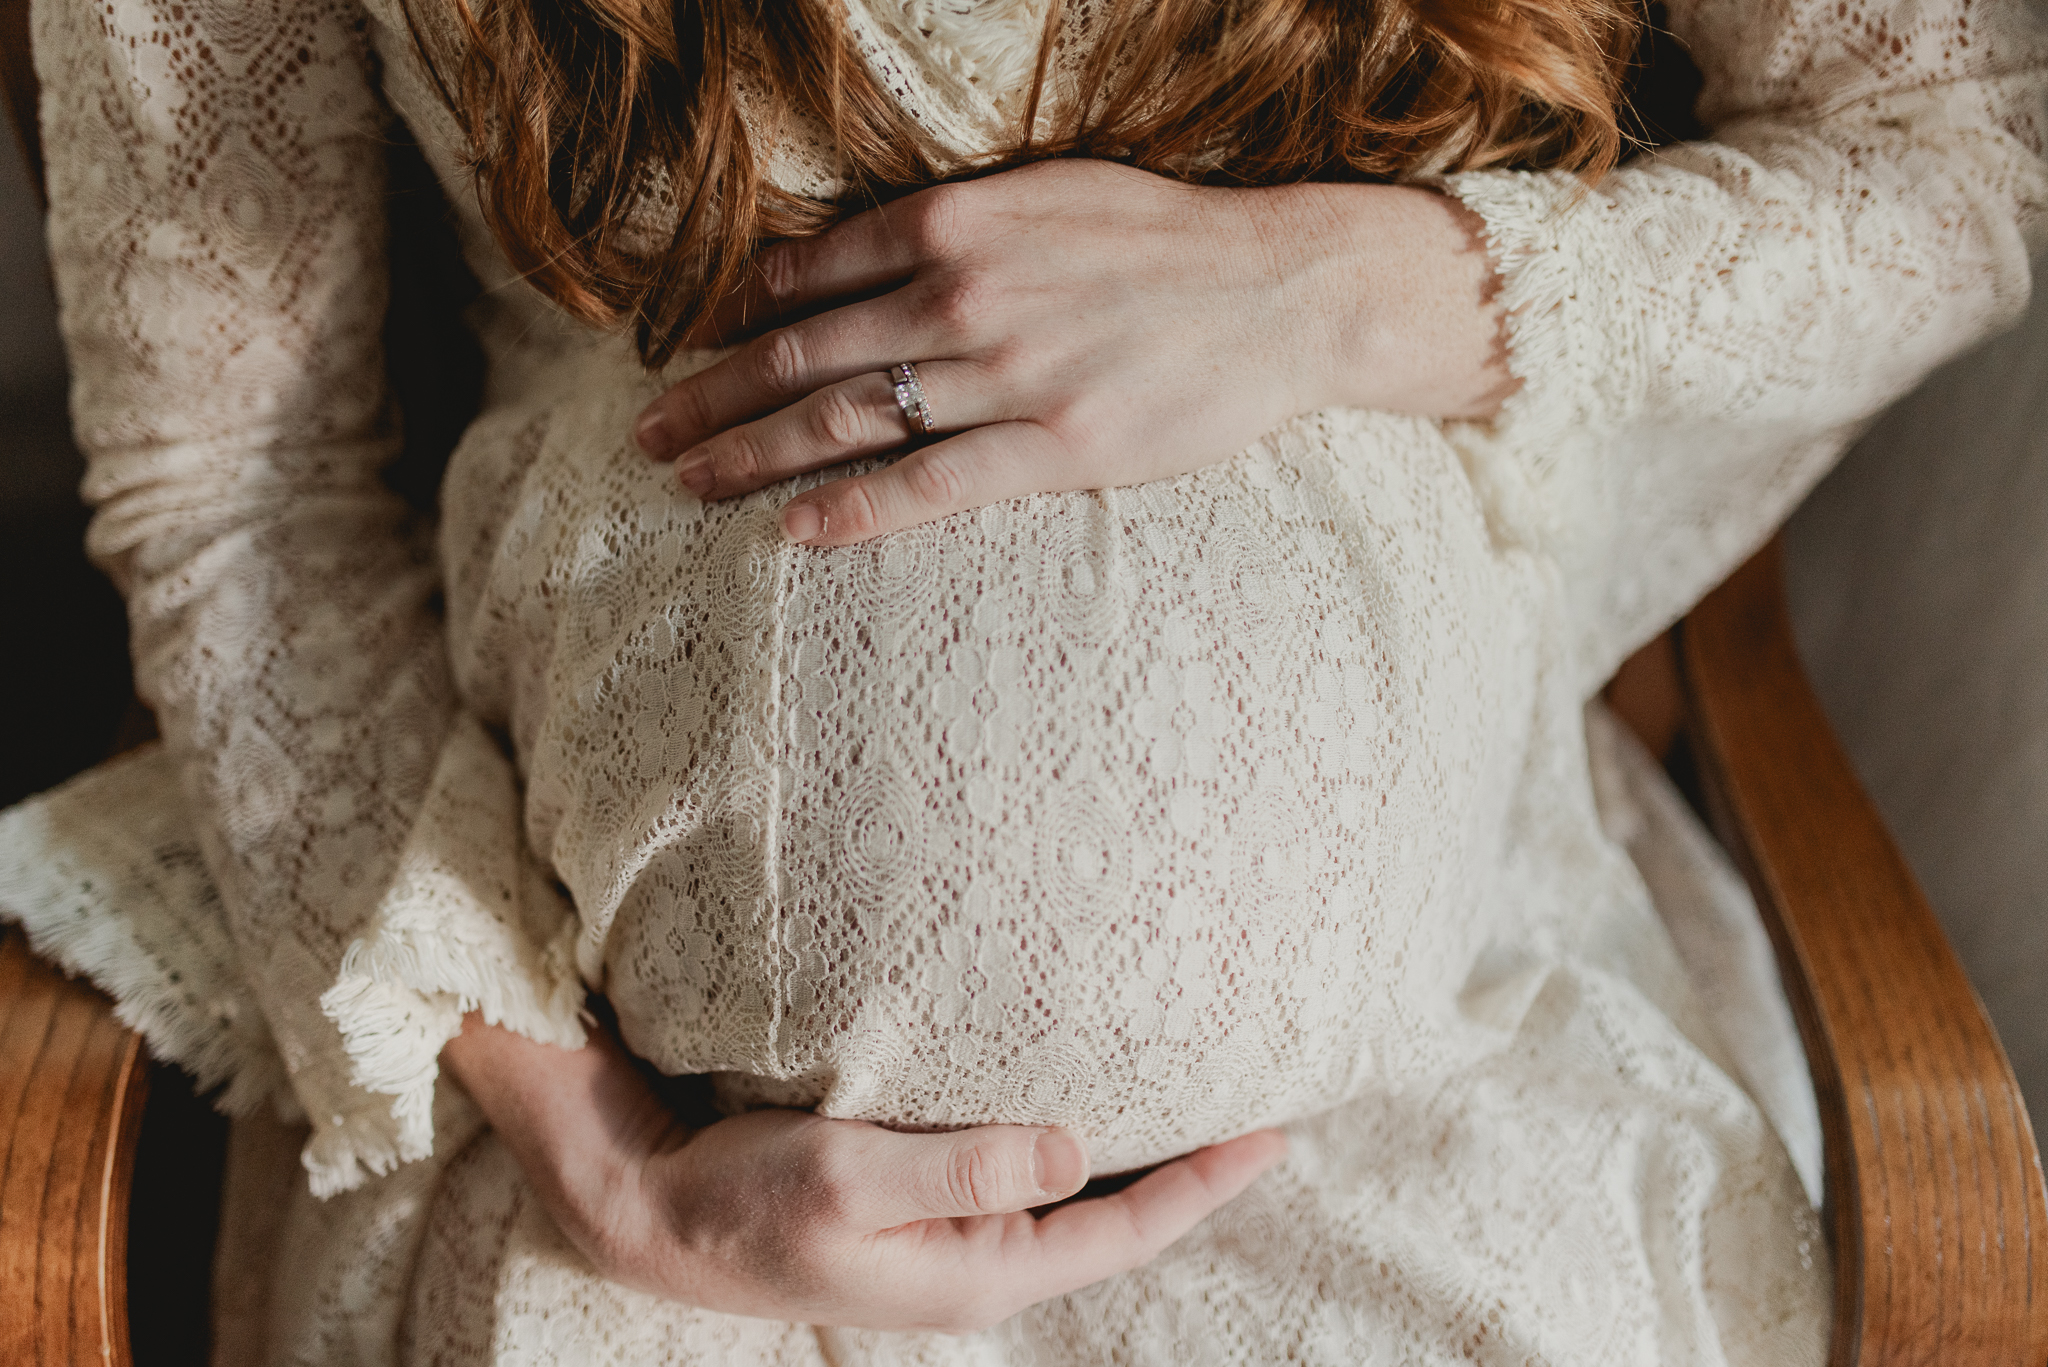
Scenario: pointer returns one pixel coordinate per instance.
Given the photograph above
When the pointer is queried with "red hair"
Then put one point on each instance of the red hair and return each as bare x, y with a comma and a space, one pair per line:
579, 110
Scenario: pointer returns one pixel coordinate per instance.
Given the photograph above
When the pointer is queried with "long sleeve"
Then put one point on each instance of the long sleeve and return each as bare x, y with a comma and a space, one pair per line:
1702, 332
217, 232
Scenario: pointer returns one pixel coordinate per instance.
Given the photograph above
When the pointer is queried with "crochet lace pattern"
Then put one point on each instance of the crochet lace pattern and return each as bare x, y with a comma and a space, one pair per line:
1256, 796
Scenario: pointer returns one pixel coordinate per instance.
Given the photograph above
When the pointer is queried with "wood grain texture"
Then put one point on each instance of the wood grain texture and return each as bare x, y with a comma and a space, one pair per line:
1934, 1186
72, 1085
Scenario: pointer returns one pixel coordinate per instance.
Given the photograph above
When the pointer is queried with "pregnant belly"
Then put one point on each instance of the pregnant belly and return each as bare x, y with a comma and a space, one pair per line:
1138, 812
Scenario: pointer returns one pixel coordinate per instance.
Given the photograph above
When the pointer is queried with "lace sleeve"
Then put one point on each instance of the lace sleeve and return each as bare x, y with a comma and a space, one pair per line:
1701, 333
216, 230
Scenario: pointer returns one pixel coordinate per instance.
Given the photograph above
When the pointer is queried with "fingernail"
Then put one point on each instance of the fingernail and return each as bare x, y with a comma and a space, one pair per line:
654, 438
697, 476
802, 522
1059, 1163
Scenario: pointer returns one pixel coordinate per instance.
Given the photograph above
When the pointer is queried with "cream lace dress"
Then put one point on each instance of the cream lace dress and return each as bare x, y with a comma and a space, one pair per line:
1257, 796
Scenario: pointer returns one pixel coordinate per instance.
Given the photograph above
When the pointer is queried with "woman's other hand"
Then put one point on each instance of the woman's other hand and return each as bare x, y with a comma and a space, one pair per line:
784, 1215
1078, 325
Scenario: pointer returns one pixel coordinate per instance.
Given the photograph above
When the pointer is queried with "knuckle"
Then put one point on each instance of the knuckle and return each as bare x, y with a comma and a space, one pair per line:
937, 482
974, 1179
1074, 422
691, 405
960, 302
781, 271
935, 221
779, 361
1140, 1234
741, 459
854, 513
837, 419
1010, 365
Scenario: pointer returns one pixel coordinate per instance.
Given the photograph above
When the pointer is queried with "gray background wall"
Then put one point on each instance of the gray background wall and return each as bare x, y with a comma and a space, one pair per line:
1918, 580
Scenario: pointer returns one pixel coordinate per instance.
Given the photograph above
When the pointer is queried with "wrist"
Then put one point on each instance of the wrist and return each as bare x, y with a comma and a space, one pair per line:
579, 1122
1400, 300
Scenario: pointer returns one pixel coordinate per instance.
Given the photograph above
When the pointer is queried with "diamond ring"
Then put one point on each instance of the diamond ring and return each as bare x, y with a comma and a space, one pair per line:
917, 410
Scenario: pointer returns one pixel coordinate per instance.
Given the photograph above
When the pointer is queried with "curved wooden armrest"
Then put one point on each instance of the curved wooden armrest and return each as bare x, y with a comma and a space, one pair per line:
1934, 1189
72, 1084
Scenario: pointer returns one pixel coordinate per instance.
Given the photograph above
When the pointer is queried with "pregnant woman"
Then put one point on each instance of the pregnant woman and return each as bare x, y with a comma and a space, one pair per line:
971, 831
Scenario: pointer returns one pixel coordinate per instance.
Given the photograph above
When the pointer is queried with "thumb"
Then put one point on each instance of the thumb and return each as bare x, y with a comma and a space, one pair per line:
989, 1170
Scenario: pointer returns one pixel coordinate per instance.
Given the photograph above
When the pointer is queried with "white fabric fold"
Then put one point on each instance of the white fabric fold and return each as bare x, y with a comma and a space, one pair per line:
1715, 926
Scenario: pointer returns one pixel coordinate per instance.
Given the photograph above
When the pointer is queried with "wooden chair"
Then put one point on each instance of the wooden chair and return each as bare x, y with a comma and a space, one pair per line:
1935, 1205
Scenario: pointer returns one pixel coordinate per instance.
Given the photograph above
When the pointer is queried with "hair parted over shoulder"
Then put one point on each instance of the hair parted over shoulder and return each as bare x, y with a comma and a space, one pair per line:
577, 109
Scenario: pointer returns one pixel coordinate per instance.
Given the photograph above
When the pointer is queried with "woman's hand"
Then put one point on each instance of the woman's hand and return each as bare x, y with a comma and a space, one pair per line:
783, 1215
1078, 325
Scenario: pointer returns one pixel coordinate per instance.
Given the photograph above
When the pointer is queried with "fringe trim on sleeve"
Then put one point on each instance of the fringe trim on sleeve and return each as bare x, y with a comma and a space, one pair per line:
469, 924
1572, 341
104, 875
